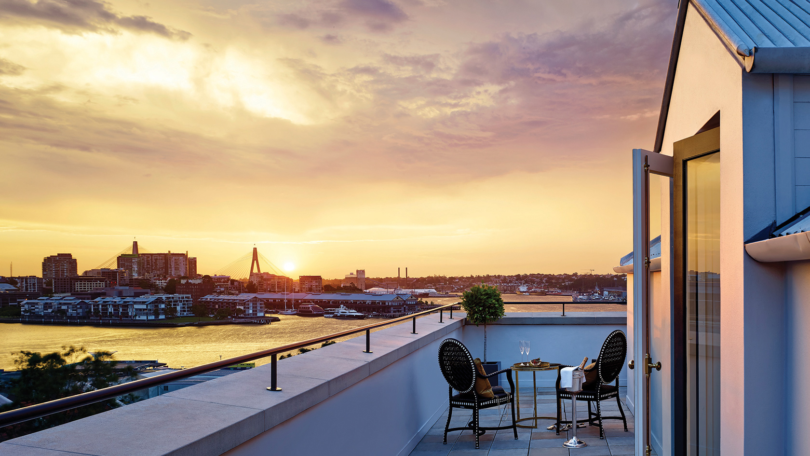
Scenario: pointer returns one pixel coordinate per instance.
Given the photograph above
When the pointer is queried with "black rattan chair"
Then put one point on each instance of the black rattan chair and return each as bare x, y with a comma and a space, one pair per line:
459, 370
608, 365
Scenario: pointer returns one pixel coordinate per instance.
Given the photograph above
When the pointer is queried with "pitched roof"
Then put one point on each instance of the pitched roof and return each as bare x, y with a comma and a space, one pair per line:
769, 36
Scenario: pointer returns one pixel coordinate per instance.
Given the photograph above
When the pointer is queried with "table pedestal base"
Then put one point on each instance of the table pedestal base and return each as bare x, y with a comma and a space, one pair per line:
574, 442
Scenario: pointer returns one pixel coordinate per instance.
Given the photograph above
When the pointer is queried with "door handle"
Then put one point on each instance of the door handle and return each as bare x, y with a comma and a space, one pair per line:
649, 366
631, 364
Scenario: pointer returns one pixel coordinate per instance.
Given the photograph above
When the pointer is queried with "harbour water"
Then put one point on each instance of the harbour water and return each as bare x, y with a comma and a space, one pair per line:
189, 347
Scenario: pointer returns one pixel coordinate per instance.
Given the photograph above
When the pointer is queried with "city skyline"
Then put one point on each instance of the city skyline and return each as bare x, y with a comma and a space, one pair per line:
453, 137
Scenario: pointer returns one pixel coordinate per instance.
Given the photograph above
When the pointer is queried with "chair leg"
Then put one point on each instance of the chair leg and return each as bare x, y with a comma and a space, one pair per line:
590, 414
558, 415
599, 417
622, 412
449, 415
475, 425
514, 423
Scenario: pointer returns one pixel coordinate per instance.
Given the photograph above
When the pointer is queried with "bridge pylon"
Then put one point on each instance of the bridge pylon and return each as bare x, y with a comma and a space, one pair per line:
255, 261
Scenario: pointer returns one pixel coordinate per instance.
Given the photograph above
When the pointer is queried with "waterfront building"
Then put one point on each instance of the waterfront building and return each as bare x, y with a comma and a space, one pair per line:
157, 264
30, 284
11, 295
267, 282
137, 308
196, 288
59, 265
56, 307
78, 284
115, 277
358, 279
192, 268
387, 303
249, 303
310, 284
181, 302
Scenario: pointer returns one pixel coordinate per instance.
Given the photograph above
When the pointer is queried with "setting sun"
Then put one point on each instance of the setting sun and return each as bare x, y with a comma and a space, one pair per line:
289, 266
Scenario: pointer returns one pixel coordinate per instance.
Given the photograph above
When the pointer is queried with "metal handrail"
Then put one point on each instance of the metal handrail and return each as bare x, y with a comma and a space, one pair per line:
60, 405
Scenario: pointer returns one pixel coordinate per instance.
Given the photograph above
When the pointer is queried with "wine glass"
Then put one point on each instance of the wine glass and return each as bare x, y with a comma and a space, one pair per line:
527, 346
522, 349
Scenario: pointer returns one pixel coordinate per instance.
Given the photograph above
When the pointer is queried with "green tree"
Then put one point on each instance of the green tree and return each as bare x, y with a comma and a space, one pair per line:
207, 279
252, 287
171, 311
199, 310
156, 311
483, 305
11, 311
171, 287
222, 314
56, 375
12, 281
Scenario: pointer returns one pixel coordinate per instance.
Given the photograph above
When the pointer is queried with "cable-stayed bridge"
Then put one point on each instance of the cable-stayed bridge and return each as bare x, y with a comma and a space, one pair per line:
248, 264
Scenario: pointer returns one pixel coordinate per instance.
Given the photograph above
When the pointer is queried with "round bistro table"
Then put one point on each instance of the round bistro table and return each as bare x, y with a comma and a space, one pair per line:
520, 367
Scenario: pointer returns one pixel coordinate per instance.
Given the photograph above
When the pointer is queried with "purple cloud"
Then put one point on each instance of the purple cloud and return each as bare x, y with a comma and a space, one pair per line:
293, 21
380, 15
331, 39
10, 68
78, 16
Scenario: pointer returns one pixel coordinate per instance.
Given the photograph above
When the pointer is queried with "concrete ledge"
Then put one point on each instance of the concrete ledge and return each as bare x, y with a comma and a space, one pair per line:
572, 318
218, 415
236, 414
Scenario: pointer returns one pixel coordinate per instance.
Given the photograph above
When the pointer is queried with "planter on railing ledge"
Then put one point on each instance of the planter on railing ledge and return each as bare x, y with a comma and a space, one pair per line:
483, 305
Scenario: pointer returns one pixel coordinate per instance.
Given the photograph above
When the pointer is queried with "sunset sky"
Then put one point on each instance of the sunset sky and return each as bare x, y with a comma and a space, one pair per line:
453, 137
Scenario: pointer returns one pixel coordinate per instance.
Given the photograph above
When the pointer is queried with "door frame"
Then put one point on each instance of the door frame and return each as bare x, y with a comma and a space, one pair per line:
704, 143
644, 164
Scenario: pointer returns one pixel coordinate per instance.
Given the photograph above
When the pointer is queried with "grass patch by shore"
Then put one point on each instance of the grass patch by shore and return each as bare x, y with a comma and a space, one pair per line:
188, 319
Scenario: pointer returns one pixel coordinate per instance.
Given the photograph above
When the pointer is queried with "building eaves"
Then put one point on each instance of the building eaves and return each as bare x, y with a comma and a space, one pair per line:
769, 36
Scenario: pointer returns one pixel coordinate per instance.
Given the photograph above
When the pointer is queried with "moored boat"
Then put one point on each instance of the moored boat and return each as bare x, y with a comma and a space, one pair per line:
344, 313
310, 310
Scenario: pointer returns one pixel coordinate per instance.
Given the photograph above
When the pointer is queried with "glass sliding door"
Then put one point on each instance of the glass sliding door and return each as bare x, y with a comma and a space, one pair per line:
702, 302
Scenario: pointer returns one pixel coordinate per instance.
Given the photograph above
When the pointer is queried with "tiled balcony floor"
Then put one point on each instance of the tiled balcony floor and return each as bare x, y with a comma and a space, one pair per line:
531, 442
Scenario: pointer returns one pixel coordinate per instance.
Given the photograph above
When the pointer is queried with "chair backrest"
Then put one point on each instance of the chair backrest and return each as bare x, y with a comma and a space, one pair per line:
457, 365
611, 357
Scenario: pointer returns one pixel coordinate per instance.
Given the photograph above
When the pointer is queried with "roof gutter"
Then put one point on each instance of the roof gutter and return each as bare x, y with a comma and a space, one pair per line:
792, 60
655, 265
793, 247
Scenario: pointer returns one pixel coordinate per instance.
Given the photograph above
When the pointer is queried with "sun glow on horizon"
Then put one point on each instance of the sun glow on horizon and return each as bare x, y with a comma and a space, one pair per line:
289, 266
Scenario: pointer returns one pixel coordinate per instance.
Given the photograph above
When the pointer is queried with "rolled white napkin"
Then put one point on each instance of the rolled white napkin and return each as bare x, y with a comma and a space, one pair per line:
566, 377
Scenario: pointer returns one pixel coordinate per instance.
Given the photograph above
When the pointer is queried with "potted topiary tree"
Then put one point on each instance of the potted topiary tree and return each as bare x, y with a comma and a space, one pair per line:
483, 305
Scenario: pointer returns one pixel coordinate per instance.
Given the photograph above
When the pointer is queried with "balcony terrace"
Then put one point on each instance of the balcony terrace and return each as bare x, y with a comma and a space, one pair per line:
341, 400
531, 442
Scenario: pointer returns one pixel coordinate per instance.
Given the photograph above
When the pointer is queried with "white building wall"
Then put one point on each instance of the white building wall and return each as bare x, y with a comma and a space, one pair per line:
797, 367
709, 79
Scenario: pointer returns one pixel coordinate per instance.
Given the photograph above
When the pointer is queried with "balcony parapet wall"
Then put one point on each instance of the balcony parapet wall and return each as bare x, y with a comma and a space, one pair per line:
334, 400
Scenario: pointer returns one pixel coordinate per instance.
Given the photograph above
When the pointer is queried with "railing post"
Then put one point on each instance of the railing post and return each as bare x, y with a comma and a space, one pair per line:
451, 312
414, 326
368, 342
273, 370
563, 309
441, 315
